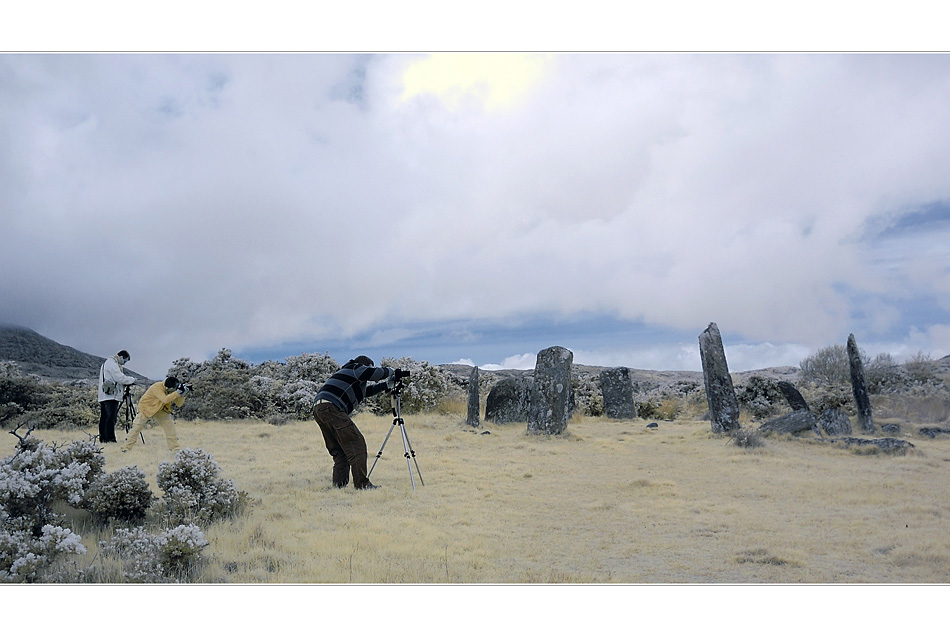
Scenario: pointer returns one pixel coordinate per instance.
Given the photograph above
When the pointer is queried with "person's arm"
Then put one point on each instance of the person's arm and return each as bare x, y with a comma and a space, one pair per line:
372, 390
367, 374
173, 397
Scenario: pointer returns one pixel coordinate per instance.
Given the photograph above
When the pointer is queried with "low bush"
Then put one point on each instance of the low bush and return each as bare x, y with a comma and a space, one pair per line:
425, 390
34, 544
747, 438
760, 397
122, 496
171, 556
35, 478
25, 400
228, 388
29, 557
37, 546
194, 490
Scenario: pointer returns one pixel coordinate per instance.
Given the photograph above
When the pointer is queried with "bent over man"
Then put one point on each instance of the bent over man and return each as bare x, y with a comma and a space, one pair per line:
332, 407
156, 405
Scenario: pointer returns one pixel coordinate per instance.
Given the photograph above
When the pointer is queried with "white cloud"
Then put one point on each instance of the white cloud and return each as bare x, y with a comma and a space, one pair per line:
517, 361
175, 204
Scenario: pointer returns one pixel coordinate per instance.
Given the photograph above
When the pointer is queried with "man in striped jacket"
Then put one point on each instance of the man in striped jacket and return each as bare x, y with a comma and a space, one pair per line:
332, 407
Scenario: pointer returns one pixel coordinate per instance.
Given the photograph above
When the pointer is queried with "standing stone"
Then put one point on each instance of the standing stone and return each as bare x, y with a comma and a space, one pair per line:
509, 400
473, 408
859, 386
795, 399
550, 400
720, 394
617, 390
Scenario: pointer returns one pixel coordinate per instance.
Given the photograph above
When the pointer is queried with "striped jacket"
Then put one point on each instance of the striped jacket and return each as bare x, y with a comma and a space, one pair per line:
348, 386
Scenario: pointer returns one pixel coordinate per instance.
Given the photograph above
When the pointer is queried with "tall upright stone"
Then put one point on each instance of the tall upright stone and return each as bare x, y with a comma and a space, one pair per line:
720, 394
859, 386
617, 390
550, 400
472, 420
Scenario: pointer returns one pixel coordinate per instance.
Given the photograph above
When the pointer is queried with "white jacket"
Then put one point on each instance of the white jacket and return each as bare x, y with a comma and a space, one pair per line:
111, 370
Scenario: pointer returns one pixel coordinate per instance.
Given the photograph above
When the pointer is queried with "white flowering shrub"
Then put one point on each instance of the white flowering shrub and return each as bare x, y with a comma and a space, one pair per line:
180, 548
296, 397
122, 496
222, 389
10, 369
425, 389
138, 551
229, 388
86, 452
36, 477
27, 557
34, 545
316, 368
194, 490
171, 556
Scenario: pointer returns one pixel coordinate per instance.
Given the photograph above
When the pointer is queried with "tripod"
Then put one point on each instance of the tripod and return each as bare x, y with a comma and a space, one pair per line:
396, 402
129, 410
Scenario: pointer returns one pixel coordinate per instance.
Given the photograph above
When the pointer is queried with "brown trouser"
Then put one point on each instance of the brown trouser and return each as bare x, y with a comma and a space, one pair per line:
164, 419
345, 443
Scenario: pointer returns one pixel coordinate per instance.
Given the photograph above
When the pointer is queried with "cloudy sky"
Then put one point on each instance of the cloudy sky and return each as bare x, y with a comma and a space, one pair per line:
477, 207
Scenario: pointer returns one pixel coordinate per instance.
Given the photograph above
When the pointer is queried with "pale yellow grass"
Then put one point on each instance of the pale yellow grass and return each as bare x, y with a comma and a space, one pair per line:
612, 502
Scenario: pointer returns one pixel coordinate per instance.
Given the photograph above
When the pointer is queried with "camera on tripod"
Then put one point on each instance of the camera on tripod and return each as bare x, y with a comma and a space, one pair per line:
397, 382
395, 399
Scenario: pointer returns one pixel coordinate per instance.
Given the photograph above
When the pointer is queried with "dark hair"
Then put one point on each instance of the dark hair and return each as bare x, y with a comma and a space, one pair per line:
124, 354
366, 361
171, 382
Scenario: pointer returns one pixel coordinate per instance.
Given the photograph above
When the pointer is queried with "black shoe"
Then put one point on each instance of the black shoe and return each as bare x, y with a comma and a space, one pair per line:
368, 486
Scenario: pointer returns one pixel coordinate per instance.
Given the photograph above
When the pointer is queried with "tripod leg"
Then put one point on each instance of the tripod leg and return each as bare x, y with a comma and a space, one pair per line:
405, 447
411, 452
380, 453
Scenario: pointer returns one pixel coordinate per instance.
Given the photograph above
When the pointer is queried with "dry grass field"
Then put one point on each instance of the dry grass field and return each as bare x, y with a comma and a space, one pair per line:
611, 502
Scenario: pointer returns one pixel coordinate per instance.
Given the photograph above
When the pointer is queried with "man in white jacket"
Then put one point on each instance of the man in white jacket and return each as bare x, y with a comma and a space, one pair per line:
112, 382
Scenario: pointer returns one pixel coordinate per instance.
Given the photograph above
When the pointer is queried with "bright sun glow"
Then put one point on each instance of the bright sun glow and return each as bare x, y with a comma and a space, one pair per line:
488, 80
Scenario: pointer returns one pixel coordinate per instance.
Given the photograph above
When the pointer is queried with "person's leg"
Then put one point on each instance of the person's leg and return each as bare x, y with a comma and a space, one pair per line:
108, 411
168, 426
112, 417
138, 426
351, 441
354, 444
341, 467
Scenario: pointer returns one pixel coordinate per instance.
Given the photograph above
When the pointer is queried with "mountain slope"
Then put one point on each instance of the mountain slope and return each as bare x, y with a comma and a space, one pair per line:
36, 354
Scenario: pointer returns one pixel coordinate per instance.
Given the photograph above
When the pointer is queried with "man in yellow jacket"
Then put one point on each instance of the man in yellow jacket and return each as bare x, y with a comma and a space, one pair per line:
156, 405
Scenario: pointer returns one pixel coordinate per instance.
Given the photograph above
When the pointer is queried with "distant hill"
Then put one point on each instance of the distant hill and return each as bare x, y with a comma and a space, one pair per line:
644, 378
36, 354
